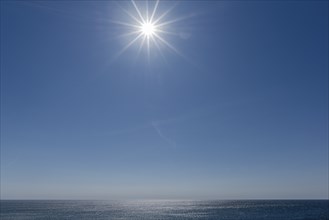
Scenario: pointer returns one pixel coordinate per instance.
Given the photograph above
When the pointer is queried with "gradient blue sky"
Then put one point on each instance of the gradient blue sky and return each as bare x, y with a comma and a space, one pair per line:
241, 113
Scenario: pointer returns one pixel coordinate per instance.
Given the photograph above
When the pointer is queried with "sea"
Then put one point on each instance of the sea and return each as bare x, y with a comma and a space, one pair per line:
166, 209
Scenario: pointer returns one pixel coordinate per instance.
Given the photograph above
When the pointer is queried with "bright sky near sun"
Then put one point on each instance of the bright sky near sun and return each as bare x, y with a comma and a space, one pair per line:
164, 99
148, 27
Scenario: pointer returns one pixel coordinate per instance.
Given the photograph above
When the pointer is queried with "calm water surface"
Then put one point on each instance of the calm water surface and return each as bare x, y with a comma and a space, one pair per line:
150, 209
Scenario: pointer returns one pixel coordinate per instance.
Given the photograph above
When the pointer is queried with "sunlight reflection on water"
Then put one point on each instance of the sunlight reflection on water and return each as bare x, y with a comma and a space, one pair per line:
165, 209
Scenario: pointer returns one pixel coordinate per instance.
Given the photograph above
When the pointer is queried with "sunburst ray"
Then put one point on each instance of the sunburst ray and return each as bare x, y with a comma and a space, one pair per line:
149, 28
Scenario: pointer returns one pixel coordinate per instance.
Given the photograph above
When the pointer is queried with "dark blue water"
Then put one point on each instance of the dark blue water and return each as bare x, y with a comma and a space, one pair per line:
147, 209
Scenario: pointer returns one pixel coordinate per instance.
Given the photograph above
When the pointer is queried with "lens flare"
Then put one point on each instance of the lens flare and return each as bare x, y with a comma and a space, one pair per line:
149, 28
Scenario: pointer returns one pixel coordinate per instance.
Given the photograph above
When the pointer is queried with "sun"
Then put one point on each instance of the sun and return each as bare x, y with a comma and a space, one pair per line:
148, 29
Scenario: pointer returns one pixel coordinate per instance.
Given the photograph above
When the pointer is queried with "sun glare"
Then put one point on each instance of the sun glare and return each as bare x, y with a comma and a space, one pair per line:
148, 29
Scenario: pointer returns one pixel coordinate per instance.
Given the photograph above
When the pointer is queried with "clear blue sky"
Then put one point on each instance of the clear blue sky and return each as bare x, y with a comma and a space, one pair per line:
242, 112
